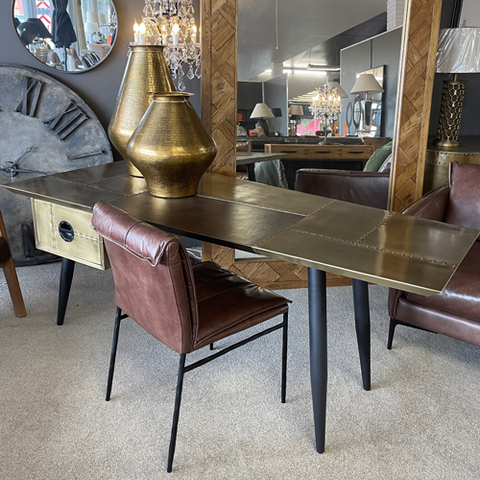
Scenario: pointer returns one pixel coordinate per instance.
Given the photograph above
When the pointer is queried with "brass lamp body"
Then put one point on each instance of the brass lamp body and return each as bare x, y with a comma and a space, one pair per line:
146, 72
450, 118
171, 147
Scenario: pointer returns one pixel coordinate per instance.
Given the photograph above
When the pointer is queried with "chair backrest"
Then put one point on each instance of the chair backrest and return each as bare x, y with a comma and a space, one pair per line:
464, 202
153, 277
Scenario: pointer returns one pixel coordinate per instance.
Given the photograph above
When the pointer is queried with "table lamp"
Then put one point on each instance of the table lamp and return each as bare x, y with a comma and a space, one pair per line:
295, 113
261, 112
458, 52
366, 83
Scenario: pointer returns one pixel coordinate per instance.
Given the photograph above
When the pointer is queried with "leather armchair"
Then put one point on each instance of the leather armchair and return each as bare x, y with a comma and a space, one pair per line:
364, 188
456, 311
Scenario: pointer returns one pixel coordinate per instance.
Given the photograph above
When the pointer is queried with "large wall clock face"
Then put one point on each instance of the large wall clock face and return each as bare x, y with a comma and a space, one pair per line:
44, 128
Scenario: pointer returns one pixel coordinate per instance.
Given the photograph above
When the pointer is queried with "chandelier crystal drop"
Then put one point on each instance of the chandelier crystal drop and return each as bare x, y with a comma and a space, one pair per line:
326, 104
172, 24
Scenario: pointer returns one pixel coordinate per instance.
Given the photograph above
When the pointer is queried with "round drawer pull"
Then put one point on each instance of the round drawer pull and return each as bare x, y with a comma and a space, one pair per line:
66, 231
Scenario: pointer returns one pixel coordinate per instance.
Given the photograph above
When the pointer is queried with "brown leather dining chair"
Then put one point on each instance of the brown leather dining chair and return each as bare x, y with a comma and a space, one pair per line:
6, 263
456, 311
184, 307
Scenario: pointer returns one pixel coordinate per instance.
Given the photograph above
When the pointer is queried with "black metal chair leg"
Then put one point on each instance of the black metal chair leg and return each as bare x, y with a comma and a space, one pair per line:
176, 412
284, 355
113, 354
393, 323
211, 346
362, 327
391, 332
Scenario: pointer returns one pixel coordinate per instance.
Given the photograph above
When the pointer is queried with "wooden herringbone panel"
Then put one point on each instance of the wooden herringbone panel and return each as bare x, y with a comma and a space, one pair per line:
414, 105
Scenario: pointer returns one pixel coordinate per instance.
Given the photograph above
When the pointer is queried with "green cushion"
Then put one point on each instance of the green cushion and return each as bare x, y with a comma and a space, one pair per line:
378, 158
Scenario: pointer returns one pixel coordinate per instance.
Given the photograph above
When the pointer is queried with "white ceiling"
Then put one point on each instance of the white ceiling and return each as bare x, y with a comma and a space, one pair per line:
301, 26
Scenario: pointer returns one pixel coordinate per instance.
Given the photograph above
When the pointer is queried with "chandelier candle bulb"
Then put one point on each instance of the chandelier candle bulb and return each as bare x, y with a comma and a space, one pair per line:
136, 33
141, 34
175, 30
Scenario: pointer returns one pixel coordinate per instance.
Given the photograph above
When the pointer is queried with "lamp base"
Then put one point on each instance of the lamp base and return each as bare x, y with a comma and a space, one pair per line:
446, 143
261, 122
450, 113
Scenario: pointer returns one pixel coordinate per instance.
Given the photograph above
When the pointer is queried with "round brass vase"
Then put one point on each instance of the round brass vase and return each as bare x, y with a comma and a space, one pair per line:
146, 72
171, 147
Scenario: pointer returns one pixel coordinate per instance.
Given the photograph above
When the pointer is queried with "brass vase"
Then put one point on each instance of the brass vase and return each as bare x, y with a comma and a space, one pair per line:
146, 72
171, 147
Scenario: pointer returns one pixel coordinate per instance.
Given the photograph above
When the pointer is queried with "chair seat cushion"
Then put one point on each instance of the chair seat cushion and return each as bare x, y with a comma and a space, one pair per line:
4, 250
462, 293
228, 303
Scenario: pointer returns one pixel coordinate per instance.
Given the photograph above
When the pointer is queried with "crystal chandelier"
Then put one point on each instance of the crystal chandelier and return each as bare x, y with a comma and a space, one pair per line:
327, 105
172, 24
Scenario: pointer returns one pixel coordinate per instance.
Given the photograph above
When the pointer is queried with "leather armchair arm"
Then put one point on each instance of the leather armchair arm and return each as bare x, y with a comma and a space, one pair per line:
363, 188
432, 206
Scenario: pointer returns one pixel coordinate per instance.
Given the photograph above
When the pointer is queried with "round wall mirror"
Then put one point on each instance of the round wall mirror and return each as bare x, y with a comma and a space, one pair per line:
69, 35
357, 113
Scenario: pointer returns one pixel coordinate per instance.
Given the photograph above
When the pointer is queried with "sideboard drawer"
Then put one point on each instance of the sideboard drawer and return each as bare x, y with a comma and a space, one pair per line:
321, 152
66, 232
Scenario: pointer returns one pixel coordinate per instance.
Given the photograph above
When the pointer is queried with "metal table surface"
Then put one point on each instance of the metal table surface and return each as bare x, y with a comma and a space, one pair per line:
364, 243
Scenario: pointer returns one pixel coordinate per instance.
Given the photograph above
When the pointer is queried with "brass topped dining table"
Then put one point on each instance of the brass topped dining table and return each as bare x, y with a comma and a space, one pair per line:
364, 243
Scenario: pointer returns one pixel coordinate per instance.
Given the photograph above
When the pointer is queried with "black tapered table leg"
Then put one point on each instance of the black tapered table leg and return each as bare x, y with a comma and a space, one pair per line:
65, 283
317, 313
251, 171
362, 326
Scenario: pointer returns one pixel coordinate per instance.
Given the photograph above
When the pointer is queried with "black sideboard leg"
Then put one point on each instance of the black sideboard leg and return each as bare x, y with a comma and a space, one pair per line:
251, 171
65, 283
362, 326
317, 313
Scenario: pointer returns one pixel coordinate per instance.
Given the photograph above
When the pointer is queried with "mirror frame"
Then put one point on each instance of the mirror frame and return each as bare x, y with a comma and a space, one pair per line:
219, 74
83, 70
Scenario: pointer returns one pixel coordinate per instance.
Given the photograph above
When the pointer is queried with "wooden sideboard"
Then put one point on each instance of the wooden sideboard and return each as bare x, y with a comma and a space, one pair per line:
336, 157
322, 152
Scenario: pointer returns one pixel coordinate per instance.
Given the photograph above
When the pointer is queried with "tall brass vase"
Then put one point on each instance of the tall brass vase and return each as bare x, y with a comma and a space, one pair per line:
171, 147
146, 72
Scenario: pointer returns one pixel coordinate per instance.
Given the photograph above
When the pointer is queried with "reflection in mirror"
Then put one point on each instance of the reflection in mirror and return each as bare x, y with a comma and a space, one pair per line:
68, 35
335, 45
370, 99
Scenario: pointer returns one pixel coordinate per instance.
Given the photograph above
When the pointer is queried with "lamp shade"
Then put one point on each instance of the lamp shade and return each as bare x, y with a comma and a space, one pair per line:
366, 83
459, 50
261, 110
295, 110
340, 91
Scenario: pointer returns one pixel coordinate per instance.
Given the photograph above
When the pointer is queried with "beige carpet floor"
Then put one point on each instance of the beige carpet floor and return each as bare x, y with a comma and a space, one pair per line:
421, 420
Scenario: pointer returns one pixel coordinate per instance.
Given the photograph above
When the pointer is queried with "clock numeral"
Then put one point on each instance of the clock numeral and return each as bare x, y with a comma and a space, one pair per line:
84, 155
31, 93
67, 121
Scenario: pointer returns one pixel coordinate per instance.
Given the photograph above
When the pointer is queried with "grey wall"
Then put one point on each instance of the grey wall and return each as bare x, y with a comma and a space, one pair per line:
99, 86
275, 91
381, 50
